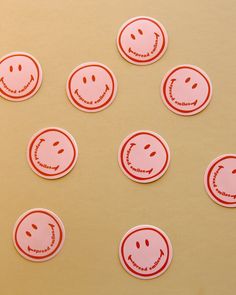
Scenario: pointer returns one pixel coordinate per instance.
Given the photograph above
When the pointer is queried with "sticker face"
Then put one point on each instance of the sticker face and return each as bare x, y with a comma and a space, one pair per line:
220, 180
145, 252
38, 234
20, 76
186, 90
91, 87
142, 40
144, 156
52, 153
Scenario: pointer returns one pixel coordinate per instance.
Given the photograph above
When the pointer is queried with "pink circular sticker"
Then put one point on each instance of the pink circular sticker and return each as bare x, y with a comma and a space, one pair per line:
186, 90
144, 156
145, 252
20, 76
220, 180
91, 87
52, 152
38, 234
142, 40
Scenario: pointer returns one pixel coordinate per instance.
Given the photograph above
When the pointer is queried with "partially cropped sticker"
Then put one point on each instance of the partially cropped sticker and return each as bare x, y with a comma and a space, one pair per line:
186, 90
145, 252
38, 234
20, 76
142, 40
91, 87
52, 152
220, 180
144, 156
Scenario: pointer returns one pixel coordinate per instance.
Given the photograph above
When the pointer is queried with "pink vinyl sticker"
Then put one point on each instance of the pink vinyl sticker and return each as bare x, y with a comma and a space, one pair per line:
186, 90
38, 234
142, 40
220, 180
145, 252
144, 156
91, 87
20, 76
52, 152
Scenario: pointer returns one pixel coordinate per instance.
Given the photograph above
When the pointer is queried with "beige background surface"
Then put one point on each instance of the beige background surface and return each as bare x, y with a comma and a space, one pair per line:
97, 203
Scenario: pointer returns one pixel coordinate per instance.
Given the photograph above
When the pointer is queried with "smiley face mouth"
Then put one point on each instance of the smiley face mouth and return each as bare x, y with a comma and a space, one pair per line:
14, 91
146, 268
36, 157
132, 167
215, 175
137, 54
90, 102
177, 101
49, 247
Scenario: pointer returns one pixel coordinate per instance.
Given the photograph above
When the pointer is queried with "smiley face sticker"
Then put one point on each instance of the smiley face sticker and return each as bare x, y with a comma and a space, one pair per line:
52, 153
142, 40
144, 156
145, 252
91, 87
186, 90
38, 234
220, 180
20, 76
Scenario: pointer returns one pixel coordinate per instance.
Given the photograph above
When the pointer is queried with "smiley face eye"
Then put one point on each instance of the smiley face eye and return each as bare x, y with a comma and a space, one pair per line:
234, 171
28, 233
93, 78
132, 36
84, 80
187, 80
137, 245
147, 146
34, 226
194, 86
147, 243
11, 68
140, 32
152, 154
60, 151
19, 67
56, 143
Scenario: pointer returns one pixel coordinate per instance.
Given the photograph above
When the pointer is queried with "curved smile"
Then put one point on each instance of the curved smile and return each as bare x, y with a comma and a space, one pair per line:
37, 158
222, 193
178, 102
136, 169
49, 246
149, 52
14, 91
92, 101
146, 268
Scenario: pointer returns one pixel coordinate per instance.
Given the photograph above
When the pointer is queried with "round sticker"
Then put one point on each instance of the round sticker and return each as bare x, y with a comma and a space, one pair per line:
91, 87
142, 40
186, 90
145, 252
220, 180
52, 152
20, 76
38, 234
144, 156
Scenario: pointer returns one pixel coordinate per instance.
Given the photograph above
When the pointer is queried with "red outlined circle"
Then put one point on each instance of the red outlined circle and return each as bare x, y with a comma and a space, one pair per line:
168, 247
207, 176
133, 176
75, 102
178, 110
135, 60
60, 241
38, 78
61, 173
